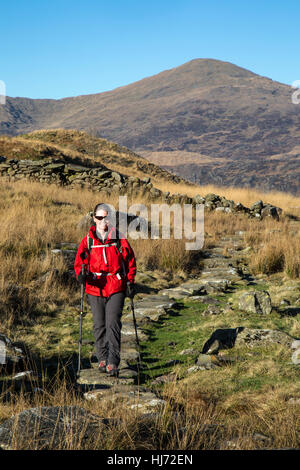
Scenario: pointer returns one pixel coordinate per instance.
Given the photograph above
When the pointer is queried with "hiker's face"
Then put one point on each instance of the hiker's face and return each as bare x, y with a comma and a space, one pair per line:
104, 223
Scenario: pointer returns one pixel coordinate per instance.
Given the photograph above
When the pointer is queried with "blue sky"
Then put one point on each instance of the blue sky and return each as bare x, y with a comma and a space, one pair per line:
68, 48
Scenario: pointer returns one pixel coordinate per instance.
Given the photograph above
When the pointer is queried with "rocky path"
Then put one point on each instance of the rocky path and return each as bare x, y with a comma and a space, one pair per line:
223, 266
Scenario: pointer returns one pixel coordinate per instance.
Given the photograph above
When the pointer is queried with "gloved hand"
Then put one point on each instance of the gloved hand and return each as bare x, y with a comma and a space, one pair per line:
130, 290
82, 278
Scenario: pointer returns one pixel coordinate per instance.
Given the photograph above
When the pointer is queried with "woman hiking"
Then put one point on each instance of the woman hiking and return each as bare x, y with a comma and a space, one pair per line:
108, 278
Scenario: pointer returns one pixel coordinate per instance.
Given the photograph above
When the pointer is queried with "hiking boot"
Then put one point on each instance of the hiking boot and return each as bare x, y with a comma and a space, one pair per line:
102, 366
112, 370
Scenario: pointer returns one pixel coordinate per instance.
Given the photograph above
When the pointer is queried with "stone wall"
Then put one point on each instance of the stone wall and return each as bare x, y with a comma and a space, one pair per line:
103, 180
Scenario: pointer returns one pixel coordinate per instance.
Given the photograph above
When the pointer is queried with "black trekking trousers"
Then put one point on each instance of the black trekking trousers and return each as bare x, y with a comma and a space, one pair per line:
107, 312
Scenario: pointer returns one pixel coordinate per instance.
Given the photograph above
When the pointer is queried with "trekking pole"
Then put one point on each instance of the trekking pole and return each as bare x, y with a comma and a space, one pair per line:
136, 336
81, 315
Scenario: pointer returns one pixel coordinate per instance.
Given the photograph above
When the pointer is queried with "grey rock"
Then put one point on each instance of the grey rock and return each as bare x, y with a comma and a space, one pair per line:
198, 199
45, 428
164, 379
257, 206
28, 374
143, 401
187, 289
295, 344
117, 177
296, 357
257, 336
212, 286
189, 351
256, 302
270, 211
207, 361
128, 373
153, 306
285, 302
10, 354
212, 310
209, 206
195, 369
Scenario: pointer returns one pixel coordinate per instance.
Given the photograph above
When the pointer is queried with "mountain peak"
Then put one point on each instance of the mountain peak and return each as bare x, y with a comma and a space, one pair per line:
204, 112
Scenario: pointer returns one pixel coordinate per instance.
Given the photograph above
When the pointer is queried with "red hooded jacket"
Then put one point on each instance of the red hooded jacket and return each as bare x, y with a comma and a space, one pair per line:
105, 264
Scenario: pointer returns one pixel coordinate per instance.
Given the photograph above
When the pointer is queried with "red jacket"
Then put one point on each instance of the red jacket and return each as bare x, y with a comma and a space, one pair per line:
106, 261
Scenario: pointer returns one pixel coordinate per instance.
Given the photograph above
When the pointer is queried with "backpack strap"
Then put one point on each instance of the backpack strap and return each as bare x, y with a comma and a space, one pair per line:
118, 241
90, 243
120, 251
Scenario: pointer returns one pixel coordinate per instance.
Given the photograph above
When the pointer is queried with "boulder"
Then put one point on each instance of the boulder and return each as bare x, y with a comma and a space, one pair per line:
257, 336
239, 207
269, 211
296, 357
257, 206
206, 361
167, 378
227, 338
117, 177
256, 302
198, 199
54, 427
211, 197
143, 401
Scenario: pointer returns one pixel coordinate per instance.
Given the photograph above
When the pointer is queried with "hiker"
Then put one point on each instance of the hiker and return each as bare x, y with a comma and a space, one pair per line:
109, 278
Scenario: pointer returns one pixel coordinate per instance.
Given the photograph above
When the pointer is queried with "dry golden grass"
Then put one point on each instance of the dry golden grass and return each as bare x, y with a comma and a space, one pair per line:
35, 217
80, 147
275, 249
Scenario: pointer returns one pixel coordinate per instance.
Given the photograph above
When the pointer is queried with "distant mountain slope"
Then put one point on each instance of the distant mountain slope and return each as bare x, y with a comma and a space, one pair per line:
214, 109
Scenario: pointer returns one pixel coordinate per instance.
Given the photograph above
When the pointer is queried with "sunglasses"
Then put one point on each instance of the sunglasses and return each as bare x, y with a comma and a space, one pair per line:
101, 217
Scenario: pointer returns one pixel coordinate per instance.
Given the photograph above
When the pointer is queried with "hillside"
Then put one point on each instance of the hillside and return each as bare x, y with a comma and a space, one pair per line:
239, 127
76, 147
